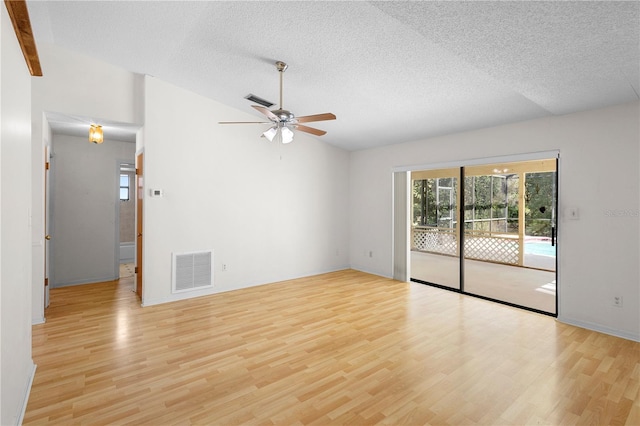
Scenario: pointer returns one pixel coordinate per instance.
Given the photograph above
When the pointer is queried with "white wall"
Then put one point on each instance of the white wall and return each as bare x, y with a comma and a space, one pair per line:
270, 212
16, 366
598, 174
84, 177
78, 85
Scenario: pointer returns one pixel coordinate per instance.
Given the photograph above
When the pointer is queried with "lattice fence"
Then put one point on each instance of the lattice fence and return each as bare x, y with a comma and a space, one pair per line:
493, 249
435, 240
489, 248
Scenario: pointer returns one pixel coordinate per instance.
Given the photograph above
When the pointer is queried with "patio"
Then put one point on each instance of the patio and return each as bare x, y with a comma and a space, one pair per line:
528, 287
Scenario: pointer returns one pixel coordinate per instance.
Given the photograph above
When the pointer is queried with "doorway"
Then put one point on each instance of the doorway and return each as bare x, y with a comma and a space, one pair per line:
84, 218
127, 211
80, 214
139, 221
488, 230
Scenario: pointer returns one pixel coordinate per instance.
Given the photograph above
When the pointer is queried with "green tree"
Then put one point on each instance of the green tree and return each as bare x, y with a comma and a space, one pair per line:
539, 195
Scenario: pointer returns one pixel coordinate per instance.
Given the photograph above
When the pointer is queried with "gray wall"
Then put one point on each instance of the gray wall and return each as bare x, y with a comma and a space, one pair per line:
84, 194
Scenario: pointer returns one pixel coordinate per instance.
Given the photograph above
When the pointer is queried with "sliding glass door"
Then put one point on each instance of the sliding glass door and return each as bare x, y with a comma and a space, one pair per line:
507, 216
509, 233
435, 228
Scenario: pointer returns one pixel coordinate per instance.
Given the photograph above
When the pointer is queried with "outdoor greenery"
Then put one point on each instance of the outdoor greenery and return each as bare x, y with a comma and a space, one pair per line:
434, 202
538, 197
491, 203
485, 201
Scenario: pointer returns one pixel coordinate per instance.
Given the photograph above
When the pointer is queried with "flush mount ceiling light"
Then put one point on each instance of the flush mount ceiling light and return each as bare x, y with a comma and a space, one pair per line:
283, 122
95, 134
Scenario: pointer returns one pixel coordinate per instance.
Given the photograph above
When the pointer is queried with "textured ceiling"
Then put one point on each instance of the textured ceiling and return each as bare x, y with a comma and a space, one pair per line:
391, 71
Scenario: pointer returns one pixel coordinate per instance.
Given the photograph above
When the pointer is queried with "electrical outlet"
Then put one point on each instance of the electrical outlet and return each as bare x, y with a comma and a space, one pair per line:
224, 267
617, 301
370, 254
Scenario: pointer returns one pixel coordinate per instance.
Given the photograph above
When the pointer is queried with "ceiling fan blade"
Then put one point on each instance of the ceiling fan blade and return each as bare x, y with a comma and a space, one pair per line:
266, 112
316, 117
244, 122
311, 130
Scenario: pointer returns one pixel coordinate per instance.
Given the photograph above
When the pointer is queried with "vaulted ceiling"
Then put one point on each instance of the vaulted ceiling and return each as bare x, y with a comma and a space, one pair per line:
391, 71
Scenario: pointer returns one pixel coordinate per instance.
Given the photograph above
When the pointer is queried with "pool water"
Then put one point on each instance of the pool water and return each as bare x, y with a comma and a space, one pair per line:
540, 248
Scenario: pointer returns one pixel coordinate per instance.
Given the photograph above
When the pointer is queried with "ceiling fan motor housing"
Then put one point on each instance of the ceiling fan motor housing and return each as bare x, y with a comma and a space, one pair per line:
283, 115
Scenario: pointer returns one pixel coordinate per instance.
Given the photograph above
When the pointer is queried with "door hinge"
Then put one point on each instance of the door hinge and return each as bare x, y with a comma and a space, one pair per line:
137, 172
46, 282
46, 165
135, 270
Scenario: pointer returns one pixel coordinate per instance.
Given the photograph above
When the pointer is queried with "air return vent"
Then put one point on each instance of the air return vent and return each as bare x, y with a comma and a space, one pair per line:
258, 100
192, 271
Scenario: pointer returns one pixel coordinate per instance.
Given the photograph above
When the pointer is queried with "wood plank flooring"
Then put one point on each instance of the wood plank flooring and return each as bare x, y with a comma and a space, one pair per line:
338, 348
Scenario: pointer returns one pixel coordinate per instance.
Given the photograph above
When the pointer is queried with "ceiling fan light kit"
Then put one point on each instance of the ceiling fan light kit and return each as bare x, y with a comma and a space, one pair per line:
279, 134
95, 134
284, 122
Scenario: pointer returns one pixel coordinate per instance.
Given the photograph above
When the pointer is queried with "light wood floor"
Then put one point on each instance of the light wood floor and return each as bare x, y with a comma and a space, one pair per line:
344, 347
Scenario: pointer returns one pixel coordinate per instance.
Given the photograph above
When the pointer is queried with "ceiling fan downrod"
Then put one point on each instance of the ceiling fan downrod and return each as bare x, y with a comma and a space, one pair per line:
282, 67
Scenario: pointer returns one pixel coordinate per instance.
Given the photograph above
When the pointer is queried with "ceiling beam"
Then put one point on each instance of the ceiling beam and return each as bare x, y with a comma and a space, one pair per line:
22, 26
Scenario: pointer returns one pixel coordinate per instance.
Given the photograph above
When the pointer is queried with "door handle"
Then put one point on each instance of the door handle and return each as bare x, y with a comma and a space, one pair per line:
47, 237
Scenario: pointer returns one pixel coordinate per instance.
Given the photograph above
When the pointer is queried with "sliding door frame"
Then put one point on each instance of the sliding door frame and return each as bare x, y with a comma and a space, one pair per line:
461, 235
556, 199
402, 266
401, 216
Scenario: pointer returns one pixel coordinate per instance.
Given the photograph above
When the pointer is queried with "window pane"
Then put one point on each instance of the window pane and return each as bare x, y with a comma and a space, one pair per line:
419, 203
432, 208
434, 243
482, 203
124, 194
499, 197
539, 202
445, 182
124, 180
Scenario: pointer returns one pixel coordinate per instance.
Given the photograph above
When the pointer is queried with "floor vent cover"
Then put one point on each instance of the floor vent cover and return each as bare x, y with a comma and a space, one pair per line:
192, 271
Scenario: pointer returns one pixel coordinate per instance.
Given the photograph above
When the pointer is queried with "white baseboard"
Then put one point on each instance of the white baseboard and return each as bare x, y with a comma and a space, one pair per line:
36, 321
368, 271
601, 329
27, 393
178, 296
215, 290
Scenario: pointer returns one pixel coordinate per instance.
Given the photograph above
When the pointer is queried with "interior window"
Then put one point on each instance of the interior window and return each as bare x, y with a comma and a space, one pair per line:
124, 187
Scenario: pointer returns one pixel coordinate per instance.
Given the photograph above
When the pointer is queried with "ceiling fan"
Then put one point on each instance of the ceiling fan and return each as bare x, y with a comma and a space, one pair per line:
283, 121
